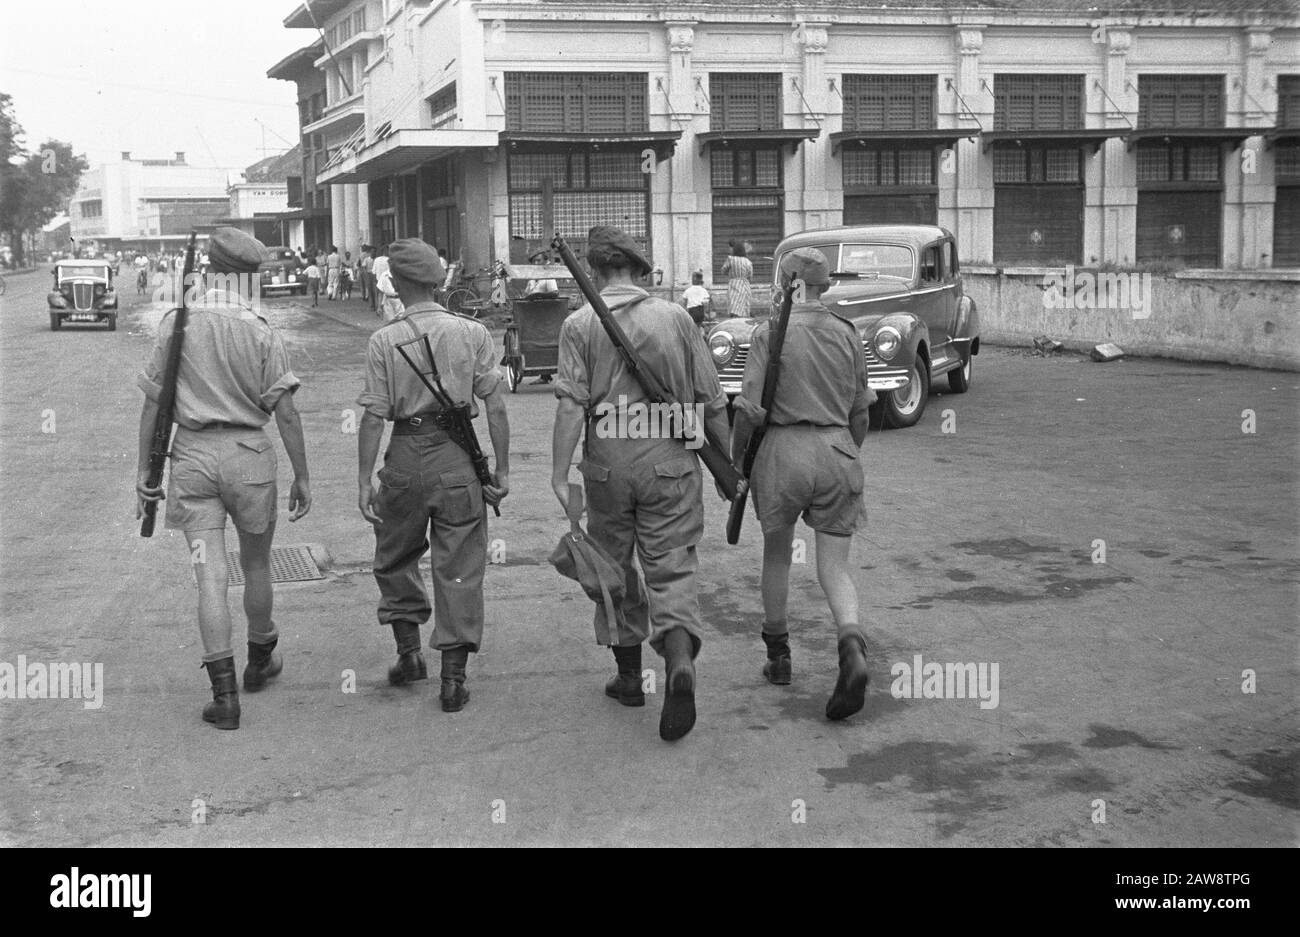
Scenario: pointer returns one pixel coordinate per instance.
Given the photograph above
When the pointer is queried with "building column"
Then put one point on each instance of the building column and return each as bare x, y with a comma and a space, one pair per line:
689, 224
974, 196
1117, 239
1250, 185
338, 216
817, 208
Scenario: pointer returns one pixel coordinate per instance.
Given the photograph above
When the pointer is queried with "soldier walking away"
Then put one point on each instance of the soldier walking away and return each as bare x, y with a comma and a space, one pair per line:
643, 495
234, 374
808, 464
429, 497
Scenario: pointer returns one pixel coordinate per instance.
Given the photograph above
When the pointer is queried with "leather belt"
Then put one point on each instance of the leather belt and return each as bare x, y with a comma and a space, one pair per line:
208, 426
424, 424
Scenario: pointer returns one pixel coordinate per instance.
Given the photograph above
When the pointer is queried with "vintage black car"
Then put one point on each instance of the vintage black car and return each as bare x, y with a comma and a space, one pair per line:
901, 287
284, 270
83, 292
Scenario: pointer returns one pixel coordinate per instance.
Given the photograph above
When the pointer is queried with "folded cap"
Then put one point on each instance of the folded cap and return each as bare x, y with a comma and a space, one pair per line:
807, 264
605, 242
415, 260
232, 251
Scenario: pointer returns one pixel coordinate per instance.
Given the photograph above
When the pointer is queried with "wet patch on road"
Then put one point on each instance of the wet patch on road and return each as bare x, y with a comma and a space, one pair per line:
1010, 548
1279, 776
1104, 736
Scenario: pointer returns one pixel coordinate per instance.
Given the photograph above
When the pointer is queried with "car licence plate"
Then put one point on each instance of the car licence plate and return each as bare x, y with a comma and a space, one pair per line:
82, 317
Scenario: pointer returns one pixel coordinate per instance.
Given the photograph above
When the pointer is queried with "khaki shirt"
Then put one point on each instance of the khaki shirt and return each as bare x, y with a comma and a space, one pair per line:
463, 350
823, 377
591, 371
234, 366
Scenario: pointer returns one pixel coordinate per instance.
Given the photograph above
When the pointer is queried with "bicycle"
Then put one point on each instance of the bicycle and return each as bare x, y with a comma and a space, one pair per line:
465, 298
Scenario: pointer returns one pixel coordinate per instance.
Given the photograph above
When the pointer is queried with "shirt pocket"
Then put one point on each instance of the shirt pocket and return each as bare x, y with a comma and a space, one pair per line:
255, 461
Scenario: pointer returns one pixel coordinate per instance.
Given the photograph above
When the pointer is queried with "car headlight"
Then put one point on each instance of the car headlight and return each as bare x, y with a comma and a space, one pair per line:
887, 342
722, 347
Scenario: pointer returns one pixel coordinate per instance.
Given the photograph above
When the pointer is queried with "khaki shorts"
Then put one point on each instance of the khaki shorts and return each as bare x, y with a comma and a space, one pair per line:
220, 472
811, 471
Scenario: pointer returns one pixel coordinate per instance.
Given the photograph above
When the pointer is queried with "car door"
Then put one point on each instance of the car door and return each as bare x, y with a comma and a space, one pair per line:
928, 300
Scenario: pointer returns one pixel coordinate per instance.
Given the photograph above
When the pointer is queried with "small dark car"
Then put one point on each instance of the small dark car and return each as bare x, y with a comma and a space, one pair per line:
900, 286
283, 270
83, 292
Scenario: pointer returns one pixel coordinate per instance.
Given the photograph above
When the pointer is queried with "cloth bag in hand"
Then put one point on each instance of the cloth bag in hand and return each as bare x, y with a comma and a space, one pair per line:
579, 557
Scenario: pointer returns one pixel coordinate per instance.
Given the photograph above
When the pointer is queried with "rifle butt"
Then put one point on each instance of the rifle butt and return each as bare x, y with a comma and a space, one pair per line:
736, 517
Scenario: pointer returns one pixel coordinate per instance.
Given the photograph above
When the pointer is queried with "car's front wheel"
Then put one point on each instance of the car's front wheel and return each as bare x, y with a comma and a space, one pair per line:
56, 321
112, 323
903, 407
959, 380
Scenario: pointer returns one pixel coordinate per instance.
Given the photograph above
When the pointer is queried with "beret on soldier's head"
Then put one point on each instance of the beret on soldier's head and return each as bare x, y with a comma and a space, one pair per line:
232, 251
807, 264
413, 259
606, 246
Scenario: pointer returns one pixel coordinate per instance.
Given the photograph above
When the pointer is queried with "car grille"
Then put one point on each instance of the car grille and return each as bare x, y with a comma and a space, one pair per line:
733, 374
83, 296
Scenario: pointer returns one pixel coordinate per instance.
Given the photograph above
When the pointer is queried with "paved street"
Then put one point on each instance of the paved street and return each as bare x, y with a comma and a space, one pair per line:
1120, 682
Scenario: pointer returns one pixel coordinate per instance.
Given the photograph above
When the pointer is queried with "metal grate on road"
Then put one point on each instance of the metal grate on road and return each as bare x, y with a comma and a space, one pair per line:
288, 564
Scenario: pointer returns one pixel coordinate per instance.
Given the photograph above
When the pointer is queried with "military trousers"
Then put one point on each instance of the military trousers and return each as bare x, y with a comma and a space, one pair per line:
430, 499
645, 496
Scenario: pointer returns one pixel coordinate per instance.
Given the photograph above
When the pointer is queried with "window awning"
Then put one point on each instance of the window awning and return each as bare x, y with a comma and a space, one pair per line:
401, 150
302, 214
663, 142
1188, 135
876, 139
1274, 135
1081, 137
731, 138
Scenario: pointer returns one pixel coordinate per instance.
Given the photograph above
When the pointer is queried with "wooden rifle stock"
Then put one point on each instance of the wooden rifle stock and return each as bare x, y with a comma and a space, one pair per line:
770, 378
162, 426
711, 454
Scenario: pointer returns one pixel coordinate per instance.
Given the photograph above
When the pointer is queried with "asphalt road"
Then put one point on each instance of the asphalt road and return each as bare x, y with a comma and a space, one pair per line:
1120, 683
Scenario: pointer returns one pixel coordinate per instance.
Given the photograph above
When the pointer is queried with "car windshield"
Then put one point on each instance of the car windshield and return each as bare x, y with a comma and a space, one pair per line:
66, 271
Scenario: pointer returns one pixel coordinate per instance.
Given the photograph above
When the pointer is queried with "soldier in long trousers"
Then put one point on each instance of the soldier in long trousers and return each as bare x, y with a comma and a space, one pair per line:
429, 497
808, 465
644, 495
234, 375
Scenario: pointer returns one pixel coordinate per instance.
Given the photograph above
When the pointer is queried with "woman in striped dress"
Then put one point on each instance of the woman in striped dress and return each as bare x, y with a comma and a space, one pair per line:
739, 269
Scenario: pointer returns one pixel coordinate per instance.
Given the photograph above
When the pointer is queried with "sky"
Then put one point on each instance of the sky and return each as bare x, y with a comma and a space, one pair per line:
152, 77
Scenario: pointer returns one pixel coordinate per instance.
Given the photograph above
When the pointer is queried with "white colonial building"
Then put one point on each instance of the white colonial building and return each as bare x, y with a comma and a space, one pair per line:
1039, 132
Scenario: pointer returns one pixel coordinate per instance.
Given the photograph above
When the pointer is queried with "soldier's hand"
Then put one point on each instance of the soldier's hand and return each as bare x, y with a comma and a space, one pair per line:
493, 494
367, 499
145, 494
299, 499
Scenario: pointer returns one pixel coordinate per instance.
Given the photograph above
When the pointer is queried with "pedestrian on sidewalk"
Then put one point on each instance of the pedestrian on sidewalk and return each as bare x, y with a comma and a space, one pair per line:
808, 465
235, 375
345, 276
390, 304
696, 299
333, 264
644, 495
429, 496
739, 268
313, 283
366, 262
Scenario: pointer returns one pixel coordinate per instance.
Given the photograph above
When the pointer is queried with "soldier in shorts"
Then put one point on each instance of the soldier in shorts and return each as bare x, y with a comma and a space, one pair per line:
234, 375
808, 466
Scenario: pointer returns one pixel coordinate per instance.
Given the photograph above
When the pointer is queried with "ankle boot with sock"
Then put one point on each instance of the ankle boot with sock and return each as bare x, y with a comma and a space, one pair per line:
223, 711
625, 686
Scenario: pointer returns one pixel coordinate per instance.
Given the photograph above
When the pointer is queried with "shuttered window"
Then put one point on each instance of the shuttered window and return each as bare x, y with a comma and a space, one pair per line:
1038, 205
1038, 102
1288, 100
584, 102
1180, 101
744, 101
745, 168
1286, 210
889, 102
442, 107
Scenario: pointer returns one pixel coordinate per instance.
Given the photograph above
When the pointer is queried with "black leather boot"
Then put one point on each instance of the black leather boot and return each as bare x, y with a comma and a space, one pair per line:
264, 662
851, 689
223, 711
678, 716
777, 669
626, 685
410, 665
454, 696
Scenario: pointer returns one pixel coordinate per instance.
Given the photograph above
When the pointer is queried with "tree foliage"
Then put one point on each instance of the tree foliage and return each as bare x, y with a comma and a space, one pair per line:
35, 186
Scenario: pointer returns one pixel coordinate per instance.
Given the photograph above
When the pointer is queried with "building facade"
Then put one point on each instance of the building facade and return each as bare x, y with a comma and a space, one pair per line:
307, 222
147, 204
1039, 136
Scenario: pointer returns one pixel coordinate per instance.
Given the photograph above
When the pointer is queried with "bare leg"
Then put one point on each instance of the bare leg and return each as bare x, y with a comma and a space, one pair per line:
836, 580
208, 560
776, 577
255, 558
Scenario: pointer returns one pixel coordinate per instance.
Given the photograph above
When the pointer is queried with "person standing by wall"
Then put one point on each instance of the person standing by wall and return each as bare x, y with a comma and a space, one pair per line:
367, 261
739, 269
333, 267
